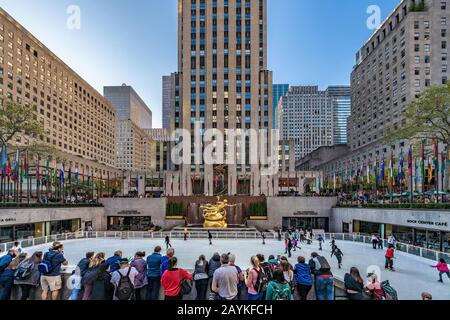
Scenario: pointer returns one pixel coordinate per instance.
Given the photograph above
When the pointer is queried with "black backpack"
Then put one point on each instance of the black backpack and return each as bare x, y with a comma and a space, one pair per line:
324, 265
267, 270
125, 289
261, 282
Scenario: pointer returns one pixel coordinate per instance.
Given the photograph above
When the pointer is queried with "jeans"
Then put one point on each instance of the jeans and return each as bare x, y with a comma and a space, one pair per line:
138, 293
442, 273
303, 291
202, 287
25, 290
389, 263
325, 288
153, 288
255, 297
74, 294
87, 291
5, 289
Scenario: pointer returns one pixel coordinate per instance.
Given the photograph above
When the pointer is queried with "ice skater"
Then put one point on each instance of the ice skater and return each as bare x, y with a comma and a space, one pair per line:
380, 243
389, 265
289, 247
442, 267
320, 239
338, 253
210, 237
263, 236
185, 233
168, 242
374, 242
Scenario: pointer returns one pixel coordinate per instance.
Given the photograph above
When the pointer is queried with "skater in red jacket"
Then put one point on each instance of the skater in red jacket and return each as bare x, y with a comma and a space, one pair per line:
389, 259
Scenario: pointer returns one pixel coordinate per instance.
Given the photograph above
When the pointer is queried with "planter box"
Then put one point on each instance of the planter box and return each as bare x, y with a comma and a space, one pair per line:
258, 218
174, 218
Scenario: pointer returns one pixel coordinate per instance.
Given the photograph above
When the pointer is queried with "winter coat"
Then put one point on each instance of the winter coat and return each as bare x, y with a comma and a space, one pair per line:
214, 264
101, 286
442, 267
84, 266
302, 272
141, 279
154, 265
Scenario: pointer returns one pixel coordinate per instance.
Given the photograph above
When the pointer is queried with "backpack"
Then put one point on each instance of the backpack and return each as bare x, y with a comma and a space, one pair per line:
281, 294
46, 265
389, 292
261, 282
23, 272
125, 289
267, 270
324, 265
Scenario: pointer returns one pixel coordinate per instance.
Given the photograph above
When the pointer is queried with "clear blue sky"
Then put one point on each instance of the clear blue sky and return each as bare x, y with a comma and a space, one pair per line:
309, 42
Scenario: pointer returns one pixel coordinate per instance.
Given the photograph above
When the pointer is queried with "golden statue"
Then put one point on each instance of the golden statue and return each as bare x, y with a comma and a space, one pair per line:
216, 214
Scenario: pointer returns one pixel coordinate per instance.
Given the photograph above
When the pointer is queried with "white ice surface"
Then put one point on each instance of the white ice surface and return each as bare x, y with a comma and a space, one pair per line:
412, 277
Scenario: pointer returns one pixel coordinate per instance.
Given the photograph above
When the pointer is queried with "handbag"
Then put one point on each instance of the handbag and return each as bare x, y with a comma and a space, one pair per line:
186, 287
200, 276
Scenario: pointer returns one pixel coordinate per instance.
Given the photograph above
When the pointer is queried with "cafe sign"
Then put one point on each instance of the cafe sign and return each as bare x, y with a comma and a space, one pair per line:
428, 223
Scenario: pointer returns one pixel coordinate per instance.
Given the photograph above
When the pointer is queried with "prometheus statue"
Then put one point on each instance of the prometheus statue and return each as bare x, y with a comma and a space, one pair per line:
216, 214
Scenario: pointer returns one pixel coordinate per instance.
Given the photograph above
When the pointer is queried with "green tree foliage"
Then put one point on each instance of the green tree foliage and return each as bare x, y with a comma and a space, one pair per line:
427, 118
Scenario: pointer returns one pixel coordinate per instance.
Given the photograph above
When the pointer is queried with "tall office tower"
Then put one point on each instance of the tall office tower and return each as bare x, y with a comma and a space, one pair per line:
341, 96
406, 56
78, 120
133, 118
307, 118
278, 91
223, 83
167, 103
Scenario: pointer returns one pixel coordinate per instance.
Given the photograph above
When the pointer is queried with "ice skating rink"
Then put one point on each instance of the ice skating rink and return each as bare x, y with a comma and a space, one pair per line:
412, 277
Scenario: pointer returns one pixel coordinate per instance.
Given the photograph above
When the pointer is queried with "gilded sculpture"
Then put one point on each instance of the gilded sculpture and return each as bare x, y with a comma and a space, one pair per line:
216, 214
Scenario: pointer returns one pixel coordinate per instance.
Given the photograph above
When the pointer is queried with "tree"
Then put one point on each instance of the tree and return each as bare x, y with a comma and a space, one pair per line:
17, 120
427, 118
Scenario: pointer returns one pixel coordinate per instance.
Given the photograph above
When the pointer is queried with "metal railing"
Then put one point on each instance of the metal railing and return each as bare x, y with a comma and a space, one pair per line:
127, 235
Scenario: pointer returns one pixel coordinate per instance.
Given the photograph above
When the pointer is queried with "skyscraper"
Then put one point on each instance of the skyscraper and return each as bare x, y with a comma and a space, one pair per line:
307, 118
133, 118
167, 102
278, 90
223, 82
341, 97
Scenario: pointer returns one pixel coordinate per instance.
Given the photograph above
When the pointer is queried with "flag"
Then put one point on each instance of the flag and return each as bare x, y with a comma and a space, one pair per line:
416, 174
47, 171
383, 177
76, 175
410, 162
368, 172
422, 164
55, 172
69, 175
3, 161
25, 163
375, 168
61, 174
38, 179
400, 169
436, 160
430, 170
443, 165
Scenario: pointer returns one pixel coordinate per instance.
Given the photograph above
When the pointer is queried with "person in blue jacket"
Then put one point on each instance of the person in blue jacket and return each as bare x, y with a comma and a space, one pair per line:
113, 262
7, 278
165, 260
303, 278
6, 259
154, 274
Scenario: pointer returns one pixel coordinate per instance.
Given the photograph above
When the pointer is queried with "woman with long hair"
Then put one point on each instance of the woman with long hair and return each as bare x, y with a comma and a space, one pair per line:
201, 277
102, 289
278, 288
28, 277
354, 285
255, 293
141, 281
